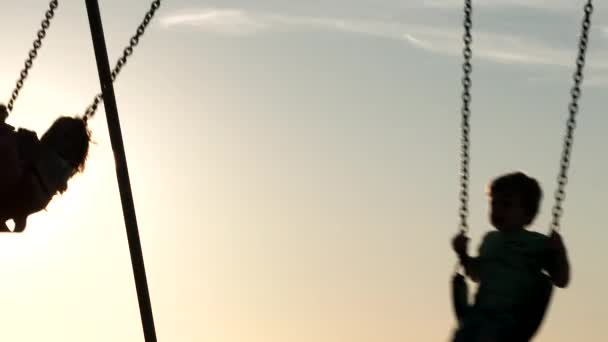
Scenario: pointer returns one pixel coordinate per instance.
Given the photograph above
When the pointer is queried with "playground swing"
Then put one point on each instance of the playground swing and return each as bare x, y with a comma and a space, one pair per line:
42, 167
533, 311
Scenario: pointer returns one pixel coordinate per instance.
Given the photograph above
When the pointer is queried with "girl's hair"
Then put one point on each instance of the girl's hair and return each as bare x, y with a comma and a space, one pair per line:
525, 187
72, 131
3, 113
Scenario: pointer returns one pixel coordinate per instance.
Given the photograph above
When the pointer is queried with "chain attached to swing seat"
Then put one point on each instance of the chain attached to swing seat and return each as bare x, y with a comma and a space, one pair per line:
466, 113
562, 178
573, 107
29, 62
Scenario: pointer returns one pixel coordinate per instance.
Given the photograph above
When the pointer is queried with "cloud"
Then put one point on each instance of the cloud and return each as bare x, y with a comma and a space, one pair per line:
536, 4
495, 47
421, 43
590, 81
241, 22
223, 21
596, 82
500, 48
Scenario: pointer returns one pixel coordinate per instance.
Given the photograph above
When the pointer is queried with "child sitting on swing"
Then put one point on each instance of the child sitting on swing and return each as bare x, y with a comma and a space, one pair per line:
509, 263
33, 170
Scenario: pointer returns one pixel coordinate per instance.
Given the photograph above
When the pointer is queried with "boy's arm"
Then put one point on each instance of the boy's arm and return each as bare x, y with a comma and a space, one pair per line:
558, 264
471, 266
560, 273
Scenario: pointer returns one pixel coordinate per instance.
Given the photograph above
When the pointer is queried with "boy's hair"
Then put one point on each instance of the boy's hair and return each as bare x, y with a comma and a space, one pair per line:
525, 187
79, 135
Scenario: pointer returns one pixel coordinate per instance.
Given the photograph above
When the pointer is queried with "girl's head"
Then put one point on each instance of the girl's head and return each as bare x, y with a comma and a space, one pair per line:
3, 112
514, 200
70, 138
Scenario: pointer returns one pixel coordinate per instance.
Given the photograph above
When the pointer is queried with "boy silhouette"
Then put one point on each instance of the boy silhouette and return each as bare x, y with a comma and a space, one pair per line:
510, 262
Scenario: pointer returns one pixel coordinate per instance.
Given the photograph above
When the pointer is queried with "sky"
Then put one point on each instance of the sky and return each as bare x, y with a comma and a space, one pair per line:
295, 166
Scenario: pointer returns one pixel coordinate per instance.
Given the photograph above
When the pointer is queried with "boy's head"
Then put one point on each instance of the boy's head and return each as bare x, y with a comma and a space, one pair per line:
70, 138
514, 201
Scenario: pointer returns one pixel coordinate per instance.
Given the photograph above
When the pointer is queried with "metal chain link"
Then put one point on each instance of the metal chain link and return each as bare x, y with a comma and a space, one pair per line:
562, 178
560, 194
127, 52
29, 62
466, 113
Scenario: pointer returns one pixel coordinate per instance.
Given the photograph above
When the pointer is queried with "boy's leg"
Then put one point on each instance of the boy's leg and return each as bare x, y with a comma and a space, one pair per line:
481, 326
468, 330
497, 327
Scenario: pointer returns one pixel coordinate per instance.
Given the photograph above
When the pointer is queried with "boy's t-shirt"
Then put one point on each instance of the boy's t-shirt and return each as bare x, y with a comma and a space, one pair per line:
509, 267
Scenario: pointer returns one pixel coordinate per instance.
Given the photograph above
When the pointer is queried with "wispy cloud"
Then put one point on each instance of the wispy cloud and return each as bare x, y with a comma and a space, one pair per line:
591, 81
500, 48
224, 21
495, 47
241, 22
538, 4
597, 81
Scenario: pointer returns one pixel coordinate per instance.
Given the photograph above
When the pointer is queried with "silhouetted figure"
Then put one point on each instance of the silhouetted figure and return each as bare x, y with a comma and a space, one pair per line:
510, 265
3, 113
33, 170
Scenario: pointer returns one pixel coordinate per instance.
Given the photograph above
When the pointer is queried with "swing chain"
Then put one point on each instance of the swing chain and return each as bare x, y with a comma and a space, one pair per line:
562, 178
29, 62
127, 52
466, 113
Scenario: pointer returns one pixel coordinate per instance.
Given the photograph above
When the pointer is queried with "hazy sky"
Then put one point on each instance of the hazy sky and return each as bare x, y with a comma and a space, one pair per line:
295, 166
